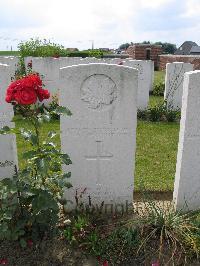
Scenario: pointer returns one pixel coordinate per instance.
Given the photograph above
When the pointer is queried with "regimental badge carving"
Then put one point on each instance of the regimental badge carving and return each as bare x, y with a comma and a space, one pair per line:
98, 91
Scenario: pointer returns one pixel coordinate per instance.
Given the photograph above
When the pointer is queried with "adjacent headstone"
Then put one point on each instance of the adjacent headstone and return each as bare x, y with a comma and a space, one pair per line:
12, 61
187, 180
8, 151
144, 80
48, 68
151, 81
174, 83
100, 135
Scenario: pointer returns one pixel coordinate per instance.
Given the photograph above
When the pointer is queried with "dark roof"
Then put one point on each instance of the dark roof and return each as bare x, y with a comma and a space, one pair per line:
185, 48
195, 50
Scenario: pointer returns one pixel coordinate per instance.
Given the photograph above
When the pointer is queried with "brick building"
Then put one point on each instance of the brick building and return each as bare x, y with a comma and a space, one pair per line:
188, 52
193, 59
145, 52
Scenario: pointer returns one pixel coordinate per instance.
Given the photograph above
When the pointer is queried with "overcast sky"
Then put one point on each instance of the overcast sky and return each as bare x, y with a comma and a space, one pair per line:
75, 23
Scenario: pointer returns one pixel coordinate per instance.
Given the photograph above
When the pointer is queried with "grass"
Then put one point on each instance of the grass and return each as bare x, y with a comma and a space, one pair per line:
159, 76
13, 53
156, 152
23, 146
155, 100
155, 155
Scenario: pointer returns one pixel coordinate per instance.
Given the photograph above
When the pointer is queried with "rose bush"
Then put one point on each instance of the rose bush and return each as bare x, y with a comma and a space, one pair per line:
30, 201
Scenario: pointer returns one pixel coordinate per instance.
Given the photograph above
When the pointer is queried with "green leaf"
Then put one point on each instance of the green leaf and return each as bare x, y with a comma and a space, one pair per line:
5, 130
67, 175
61, 110
55, 167
34, 139
65, 158
42, 165
46, 117
52, 134
43, 201
68, 185
25, 133
22, 242
29, 154
28, 135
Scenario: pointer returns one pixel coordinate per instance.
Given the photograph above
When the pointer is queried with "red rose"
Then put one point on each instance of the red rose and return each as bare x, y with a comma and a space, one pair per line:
30, 243
12, 89
156, 263
26, 90
3, 261
43, 94
36, 80
105, 263
25, 96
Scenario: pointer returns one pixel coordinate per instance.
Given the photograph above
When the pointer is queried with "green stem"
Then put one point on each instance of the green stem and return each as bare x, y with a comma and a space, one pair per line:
18, 191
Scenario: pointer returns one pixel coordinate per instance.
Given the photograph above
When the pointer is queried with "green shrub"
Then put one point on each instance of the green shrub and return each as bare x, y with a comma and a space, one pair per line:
89, 53
175, 235
41, 48
159, 112
156, 113
79, 54
159, 88
96, 53
171, 115
142, 114
153, 233
115, 245
30, 200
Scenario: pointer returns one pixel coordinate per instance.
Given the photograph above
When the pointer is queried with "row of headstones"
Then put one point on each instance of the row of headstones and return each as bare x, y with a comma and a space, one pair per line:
100, 136
49, 69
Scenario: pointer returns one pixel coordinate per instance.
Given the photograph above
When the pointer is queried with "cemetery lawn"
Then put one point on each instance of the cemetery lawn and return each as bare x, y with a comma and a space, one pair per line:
157, 145
155, 100
155, 155
159, 76
23, 145
12, 53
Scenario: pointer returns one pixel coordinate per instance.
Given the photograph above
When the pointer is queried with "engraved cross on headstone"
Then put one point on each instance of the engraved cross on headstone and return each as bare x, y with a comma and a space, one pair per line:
98, 157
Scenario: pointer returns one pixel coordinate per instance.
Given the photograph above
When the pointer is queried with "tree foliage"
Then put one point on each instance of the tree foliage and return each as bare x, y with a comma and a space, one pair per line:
168, 48
124, 46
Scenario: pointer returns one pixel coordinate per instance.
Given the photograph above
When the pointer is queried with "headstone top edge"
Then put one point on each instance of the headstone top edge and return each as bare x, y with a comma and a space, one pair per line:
194, 72
99, 64
4, 65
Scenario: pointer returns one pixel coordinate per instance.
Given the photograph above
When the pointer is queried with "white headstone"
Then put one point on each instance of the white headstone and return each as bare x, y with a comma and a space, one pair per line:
12, 61
144, 80
151, 81
8, 151
187, 180
174, 83
100, 135
48, 68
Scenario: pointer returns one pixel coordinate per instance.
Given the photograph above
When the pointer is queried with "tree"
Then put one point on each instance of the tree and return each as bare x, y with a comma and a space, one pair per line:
124, 46
146, 42
168, 48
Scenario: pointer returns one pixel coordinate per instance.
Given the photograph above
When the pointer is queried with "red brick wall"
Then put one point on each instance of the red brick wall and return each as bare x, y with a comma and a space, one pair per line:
164, 59
138, 52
